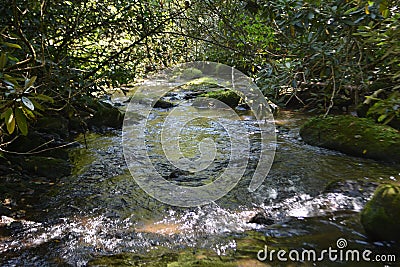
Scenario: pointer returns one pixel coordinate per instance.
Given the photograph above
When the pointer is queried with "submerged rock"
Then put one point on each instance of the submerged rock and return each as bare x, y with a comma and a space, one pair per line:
352, 188
354, 136
381, 215
261, 218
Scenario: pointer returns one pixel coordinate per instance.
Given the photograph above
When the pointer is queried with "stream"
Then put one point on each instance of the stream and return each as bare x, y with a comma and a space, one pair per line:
313, 196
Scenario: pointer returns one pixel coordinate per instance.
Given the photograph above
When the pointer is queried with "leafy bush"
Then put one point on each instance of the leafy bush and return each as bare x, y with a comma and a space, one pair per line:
55, 53
19, 100
385, 110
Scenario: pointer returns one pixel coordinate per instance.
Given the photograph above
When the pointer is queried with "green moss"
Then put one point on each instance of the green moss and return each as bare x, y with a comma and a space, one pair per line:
227, 96
201, 84
163, 257
381, 215
203, 80
354, 136
191, 73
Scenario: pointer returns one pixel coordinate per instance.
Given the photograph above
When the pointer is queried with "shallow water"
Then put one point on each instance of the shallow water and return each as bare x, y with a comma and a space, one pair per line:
100, 210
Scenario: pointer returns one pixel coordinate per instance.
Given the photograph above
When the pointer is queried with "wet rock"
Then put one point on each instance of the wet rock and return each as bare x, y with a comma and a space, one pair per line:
45, 166
191, 95
105, 115
261, 218
202, 103
5, 211
76, 125
177, 173
53, 125
15, 226
354, 136
226, 96
274, 108
381, 215
243, 106
163, 104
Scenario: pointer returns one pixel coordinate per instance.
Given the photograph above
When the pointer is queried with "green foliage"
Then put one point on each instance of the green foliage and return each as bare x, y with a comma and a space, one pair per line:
56, 53
385, 110
317, 45
17, 104
383, 39
228, 32
310, 51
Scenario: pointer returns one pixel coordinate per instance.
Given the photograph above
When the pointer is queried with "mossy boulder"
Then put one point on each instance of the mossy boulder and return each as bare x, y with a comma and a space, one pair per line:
202, 84
192, 73
381, 215
203, 81
226, 96
354, 136
105, 115
95, 114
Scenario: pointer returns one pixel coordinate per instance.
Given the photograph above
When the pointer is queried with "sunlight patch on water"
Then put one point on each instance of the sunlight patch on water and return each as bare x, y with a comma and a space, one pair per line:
160, 228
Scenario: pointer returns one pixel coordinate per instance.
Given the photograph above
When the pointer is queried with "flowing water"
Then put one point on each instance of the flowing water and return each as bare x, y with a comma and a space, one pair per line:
99, 212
